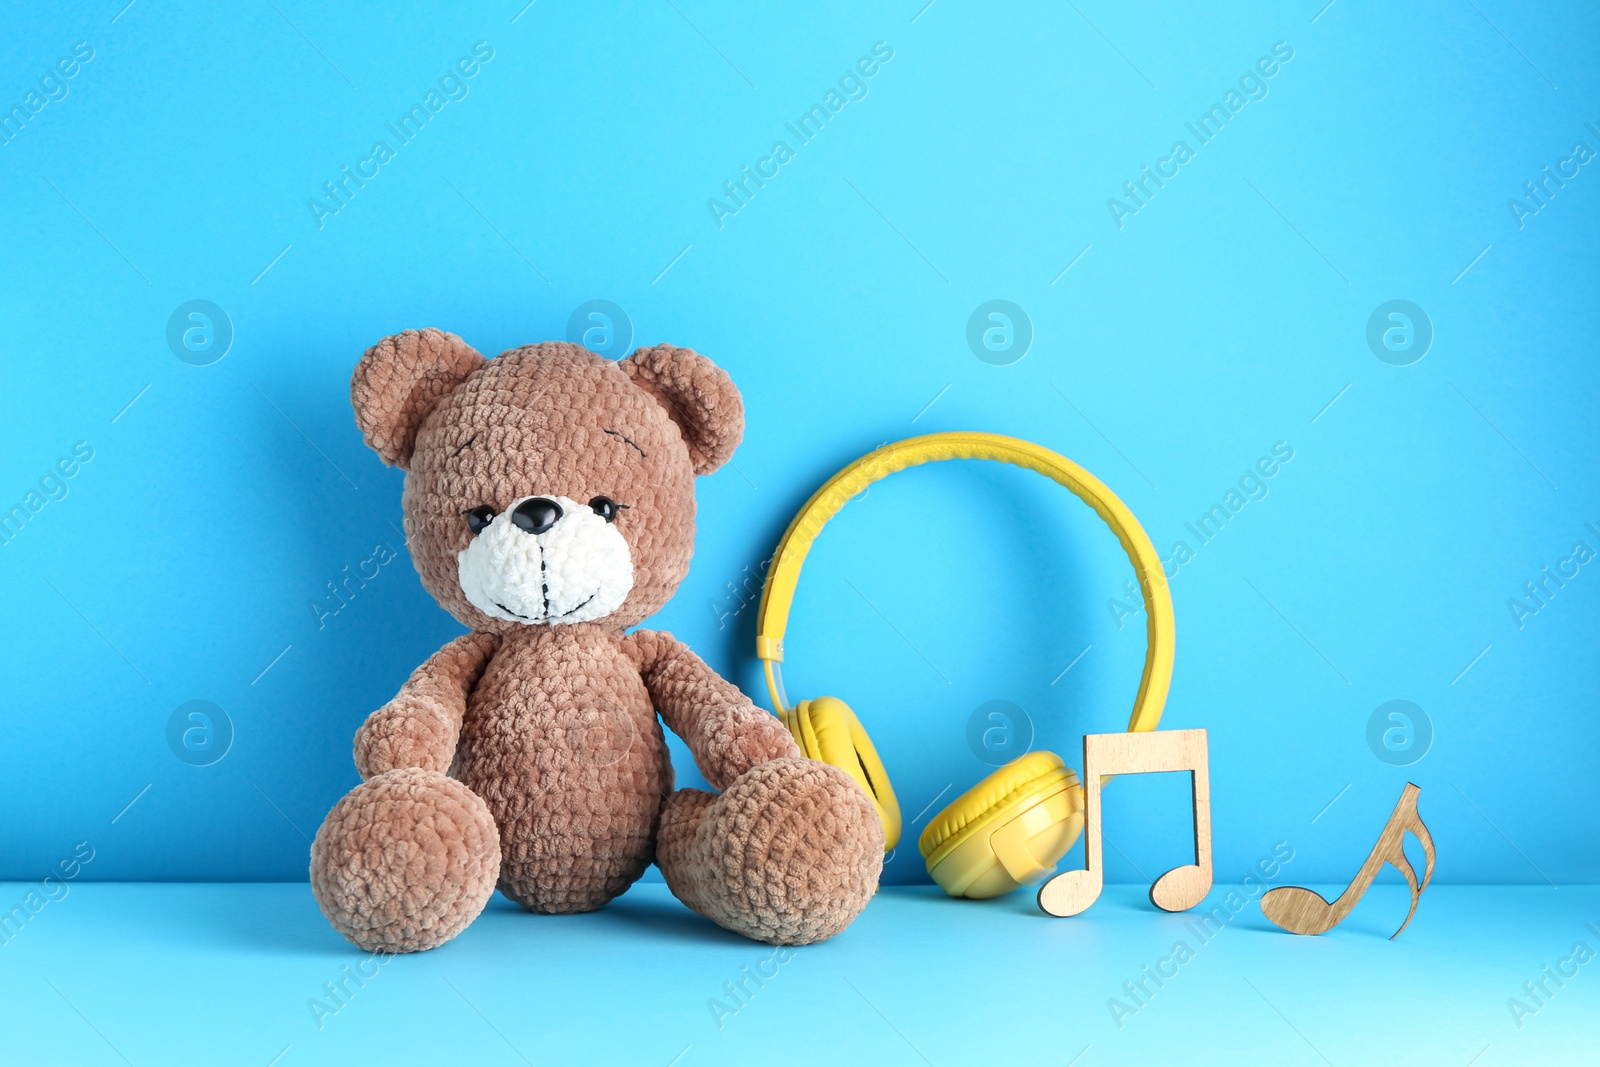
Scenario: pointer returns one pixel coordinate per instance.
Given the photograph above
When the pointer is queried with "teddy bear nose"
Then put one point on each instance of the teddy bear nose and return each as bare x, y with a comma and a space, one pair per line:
536, 515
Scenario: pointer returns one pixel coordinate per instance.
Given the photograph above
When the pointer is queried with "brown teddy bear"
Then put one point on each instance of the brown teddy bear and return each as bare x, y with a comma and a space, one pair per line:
549, 505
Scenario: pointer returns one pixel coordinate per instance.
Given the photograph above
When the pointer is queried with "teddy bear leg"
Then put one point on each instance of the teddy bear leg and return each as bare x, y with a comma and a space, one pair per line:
405, 861
788, 854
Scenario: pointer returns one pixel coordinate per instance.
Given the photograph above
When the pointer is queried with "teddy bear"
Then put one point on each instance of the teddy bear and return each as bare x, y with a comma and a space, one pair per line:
549, 507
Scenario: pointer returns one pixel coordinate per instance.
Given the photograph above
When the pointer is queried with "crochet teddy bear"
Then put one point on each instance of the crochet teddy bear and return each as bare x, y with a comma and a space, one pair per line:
549, 506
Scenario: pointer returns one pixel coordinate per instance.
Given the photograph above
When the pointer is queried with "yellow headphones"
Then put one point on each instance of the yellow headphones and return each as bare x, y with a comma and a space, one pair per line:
1013, 827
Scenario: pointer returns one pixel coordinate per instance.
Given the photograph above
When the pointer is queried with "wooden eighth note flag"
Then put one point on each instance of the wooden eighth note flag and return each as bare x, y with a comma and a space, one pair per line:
1147, 752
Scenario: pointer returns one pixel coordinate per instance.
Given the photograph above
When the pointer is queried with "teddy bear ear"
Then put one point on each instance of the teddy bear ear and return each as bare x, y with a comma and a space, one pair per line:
698, 395
398, 382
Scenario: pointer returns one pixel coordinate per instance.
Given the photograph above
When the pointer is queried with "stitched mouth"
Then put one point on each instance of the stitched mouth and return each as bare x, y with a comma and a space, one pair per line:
547, 616
585, 604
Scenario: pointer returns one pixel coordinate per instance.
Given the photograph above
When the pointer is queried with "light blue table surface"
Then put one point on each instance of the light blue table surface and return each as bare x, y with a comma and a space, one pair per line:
239, 974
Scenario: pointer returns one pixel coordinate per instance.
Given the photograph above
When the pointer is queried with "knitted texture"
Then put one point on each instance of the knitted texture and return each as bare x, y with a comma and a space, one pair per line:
399, 381
545, 717
559, 421
789, 854
562, 743
420, 726
726, 733
698, 396
405, 861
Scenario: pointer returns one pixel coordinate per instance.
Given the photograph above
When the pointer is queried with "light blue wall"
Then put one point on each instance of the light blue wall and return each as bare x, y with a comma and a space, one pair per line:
1223, 317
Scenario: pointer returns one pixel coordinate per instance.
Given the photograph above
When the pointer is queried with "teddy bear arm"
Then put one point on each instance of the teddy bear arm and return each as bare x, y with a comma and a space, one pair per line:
419, 728
727, 734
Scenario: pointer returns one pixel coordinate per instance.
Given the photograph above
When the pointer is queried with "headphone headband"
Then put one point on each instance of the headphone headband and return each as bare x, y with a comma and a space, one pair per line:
783, 575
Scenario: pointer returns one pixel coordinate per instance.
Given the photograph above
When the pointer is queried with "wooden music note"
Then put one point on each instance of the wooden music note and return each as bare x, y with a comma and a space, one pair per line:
1179, 889
1300, 911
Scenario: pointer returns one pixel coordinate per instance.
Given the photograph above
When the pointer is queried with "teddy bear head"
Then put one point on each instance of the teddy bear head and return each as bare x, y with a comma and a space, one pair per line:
547, 486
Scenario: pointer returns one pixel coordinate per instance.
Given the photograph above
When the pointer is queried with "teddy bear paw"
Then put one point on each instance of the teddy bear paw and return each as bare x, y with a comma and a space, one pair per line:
405, 861
788, 854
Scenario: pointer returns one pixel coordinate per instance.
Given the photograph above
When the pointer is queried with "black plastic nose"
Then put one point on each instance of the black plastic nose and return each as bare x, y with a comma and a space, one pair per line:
537, 515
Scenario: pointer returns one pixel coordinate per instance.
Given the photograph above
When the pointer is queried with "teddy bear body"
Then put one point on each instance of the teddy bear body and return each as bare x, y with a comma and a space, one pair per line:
549, 506
574, 775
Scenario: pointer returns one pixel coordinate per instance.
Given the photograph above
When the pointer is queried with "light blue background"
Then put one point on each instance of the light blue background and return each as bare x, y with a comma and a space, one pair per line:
1222, 318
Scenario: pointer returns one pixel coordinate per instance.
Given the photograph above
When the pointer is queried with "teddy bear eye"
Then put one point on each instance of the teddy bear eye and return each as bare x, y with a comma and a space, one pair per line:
604, 507
479, 518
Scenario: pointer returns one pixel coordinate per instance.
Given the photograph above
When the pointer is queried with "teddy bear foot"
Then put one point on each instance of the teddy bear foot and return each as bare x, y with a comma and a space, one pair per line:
788, 854
405, 861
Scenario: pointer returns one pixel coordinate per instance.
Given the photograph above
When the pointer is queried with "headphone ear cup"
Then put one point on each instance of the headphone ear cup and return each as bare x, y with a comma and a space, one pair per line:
1009, 830
827, 730
793, 718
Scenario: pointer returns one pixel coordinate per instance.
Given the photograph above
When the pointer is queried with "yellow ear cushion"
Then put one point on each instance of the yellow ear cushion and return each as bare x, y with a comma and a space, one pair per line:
827, 730
1017, 841
987, 795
